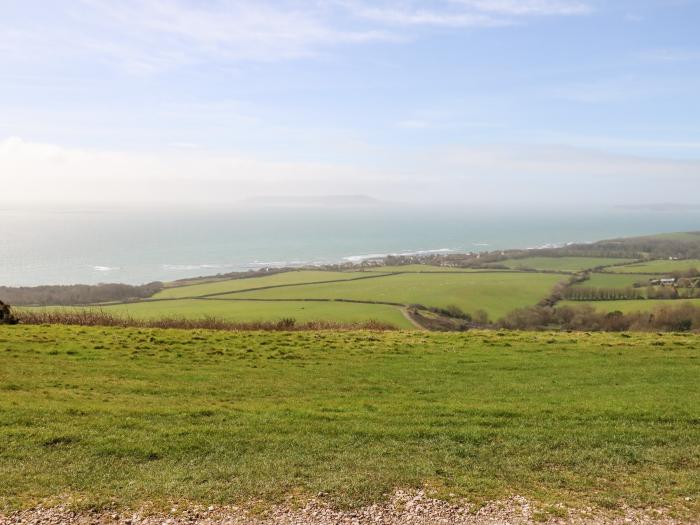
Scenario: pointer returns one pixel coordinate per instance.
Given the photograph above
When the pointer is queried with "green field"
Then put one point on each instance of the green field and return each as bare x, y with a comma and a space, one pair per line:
285, 278
629, 306
562, 264
420, 268
249, 311
286, 295
659, 266
684, 237
496, 293
618, 280
134, 416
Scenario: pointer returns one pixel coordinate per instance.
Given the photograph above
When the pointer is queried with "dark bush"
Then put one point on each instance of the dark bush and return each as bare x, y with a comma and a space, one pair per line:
672, 318
77, 294
94, 317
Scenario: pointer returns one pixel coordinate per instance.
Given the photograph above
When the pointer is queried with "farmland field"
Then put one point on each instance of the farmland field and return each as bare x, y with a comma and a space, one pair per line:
289, 294
496, 293
658, 267
563, 264
617, 280
423, 268
99, 415
250, 311
634, 305
284, 278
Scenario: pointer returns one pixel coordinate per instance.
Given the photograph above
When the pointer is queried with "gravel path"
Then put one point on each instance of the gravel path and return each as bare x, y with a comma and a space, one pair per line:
402, 509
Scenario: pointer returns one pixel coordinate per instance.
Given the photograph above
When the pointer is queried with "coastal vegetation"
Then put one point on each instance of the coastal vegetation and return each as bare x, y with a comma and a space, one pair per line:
563, 264
233, 312
436, 291
76, 293
650, 316
664, 266
646, 306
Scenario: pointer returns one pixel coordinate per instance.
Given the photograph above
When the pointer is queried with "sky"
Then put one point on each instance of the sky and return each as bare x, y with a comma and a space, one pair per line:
462, 101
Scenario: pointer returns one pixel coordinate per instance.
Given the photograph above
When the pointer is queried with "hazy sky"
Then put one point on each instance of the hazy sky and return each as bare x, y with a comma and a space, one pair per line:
474, 101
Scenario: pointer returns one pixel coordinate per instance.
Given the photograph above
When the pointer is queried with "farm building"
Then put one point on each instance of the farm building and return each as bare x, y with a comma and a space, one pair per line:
670, 281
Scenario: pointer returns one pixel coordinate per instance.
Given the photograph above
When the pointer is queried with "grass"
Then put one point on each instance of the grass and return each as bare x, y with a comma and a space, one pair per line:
687, 237
293, 277
100, 415
246, 311
421, 268
562, 264
496, 293
659, 266
287, 294
609, 280
629, 306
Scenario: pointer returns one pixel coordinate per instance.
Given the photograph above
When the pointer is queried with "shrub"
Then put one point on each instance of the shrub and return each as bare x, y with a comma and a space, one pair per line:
101, 318
76, 294
677, 318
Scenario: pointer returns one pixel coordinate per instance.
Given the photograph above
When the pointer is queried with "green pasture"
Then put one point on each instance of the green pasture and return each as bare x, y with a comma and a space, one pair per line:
496, 293
616, 280
124, 417
561, 264
292, 277
629, 306
687, 237
663, 266
288, 294
421, 268
250, 311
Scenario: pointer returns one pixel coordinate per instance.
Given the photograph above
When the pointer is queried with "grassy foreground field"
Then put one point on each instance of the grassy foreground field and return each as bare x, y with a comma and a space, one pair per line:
137, 415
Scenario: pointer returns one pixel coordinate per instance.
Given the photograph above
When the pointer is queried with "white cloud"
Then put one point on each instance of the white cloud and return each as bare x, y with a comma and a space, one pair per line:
551, 175
144, 36
463, 13
36, 172
154, 35
400, 15
529, 7
567, 163
231, 29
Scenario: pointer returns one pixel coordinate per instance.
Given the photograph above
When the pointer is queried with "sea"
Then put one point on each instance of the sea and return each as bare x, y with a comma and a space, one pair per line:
51, 244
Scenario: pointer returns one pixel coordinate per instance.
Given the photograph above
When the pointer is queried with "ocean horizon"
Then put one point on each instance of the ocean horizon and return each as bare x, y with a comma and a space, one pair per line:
69, 245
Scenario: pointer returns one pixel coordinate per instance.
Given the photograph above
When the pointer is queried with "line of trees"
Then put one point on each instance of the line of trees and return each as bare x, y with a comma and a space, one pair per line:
76, 294
670, 318
586, 293
592, 293
640, 248
98, 317
672, 292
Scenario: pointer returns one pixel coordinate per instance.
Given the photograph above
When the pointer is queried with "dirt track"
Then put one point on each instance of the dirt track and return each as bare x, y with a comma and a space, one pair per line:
402, 509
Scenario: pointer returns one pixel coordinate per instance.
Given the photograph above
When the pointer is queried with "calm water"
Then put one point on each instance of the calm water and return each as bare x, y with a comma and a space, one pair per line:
61, 246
